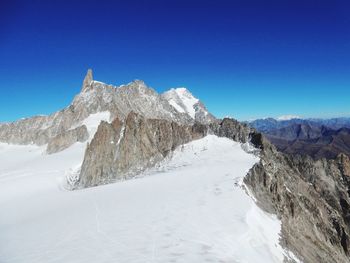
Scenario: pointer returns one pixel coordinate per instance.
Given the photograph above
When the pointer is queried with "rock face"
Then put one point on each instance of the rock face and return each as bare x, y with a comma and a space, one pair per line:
122, 149
87, 83
311, 198
232, 129
66, 139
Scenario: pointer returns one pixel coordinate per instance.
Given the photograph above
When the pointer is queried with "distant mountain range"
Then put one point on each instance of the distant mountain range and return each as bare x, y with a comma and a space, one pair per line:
315, 137
267, 125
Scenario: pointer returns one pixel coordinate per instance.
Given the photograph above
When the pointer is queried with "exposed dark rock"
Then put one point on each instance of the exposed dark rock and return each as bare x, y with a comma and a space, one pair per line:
310, 197
123, 149
87, 83
66, 139
232, 129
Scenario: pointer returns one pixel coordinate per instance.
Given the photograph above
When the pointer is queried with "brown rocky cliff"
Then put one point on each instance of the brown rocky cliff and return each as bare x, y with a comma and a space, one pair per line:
232, 129
310, 197
123, 149
87, 81
66, 139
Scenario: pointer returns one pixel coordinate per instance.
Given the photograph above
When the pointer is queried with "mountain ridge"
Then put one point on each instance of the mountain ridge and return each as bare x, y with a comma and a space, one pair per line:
95, 96
317, 138
267, 124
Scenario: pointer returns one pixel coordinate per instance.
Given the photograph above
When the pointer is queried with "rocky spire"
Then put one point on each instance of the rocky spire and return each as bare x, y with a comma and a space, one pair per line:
87, 80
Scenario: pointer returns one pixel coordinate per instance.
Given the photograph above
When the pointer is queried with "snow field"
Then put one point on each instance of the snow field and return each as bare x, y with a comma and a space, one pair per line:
189, 209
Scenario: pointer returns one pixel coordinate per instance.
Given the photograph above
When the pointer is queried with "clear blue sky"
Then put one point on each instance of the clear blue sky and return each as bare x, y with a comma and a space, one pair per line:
246, 59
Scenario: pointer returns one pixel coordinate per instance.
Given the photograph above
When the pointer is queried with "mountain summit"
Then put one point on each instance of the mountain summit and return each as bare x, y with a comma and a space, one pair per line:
183, 101
87, 80
96, 97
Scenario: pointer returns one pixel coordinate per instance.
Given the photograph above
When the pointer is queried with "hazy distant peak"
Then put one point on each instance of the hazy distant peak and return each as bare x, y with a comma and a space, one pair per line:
287, 117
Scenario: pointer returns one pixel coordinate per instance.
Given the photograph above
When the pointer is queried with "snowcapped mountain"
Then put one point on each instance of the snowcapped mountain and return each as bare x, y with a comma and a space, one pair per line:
97, 97
206, 189
287, 117
183, 101
187, 205
269, 124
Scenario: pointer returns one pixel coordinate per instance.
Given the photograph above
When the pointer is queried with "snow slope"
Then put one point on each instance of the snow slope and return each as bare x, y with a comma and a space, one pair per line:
182, 100
190, 209
93, 121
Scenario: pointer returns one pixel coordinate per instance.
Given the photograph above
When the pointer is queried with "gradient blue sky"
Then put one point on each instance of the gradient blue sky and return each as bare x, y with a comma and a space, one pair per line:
246, 59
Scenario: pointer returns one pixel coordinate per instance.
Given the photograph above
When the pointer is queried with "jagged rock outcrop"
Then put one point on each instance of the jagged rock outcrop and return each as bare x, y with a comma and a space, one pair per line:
88, 81
232, 129
310, 197
122, 149
66, 139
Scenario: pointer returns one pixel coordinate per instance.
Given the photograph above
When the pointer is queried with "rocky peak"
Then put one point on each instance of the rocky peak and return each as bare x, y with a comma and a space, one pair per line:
184, 102
344, 164
138, 83
232, 129
98, 97
87, 81
137, 88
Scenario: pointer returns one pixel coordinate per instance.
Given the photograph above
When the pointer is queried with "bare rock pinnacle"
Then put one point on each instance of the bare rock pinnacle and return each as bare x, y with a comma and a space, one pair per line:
87, 80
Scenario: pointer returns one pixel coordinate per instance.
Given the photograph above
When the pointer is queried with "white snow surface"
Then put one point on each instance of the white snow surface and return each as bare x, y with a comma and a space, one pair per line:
182, 100
189, 209
173, 103
93, 121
